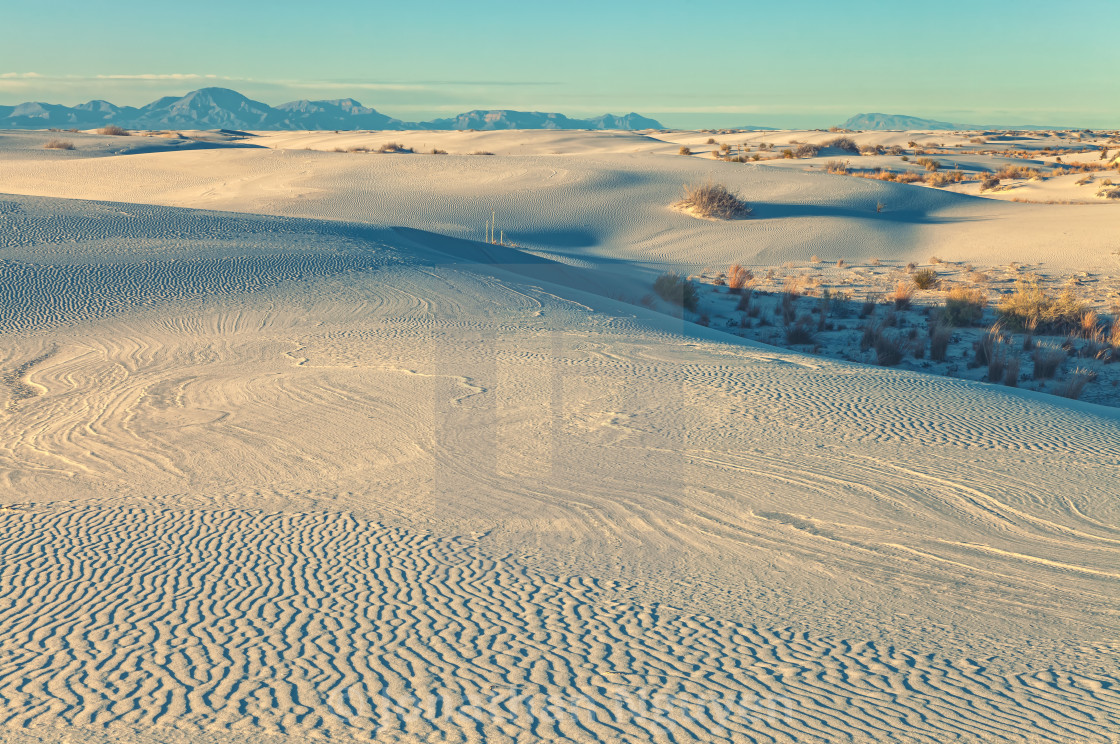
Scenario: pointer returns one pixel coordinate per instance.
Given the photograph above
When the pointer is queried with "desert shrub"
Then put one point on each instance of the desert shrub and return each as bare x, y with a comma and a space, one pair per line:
838, 167
437, 151
1076, 383
806, 151
909, 177
988, 182
843, 143
480, 152
992, 350
393, 147
684, 150
1030, 305
939, 337
711, 141
676, 289
929, 164
895, 150
939, 179
713, 200
738, 277
57, 144
1109, 193
800, 333
890, 348
871, 150
902, 295
964, 306
924, 278
114, 130
1046, 360
787, 153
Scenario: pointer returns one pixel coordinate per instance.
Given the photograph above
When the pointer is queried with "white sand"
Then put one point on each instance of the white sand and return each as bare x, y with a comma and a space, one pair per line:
320, 469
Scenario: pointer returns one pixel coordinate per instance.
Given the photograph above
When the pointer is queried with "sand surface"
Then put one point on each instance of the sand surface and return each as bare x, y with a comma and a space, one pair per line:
287, 454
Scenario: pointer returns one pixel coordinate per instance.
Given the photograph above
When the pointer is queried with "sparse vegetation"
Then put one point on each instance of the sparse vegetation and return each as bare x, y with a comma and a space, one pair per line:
712, 201
964, 306
843, 143
113, 130
674, 288
924, 278
1031, 305
58, 144
737, 278
685, 150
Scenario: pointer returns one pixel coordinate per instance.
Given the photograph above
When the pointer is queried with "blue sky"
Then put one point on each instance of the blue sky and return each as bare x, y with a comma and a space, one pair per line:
793, 63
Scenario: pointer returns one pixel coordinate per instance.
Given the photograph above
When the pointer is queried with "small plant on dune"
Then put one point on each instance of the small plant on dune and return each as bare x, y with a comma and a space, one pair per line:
890, 348
839, 167
437, 151
674, 288
800, 333
712, 201
684, 150
806, 151
1076, 382
929, 164
737, 278
924, 278
964, 306
1046, 360
725, 147
902, 295
843, 143
113, 130
988, 182
909, 177
939, 337
1030, 304
57, 144
711, 141
393, 147
480, 152
787, 154
992, 350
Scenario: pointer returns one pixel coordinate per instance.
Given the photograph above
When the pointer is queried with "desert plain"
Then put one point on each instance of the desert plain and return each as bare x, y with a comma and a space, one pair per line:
314, 436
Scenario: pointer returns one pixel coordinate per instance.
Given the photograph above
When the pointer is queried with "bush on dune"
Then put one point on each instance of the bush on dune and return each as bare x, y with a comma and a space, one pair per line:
714, 201
113, 130
57, 144
674, 288
1029, 306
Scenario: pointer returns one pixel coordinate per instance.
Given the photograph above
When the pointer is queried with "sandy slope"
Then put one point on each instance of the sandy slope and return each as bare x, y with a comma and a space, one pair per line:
271, 477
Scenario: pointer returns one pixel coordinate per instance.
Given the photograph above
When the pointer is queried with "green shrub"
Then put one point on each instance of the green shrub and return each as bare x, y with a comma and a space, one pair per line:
964, 306
924, 278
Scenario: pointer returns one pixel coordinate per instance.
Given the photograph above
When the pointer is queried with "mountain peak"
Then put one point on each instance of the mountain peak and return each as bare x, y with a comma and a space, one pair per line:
223, 108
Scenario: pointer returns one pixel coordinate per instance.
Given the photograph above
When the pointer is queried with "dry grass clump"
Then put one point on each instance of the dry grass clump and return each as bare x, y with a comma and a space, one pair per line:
929, 164
1017, 171
480, 152
114, 130
939, 336
712, 201
843, 143
57, 144
1076, 382
393, 147
1109, 193
737, 278
988, 182
674, 288
838, 167
924, 278
806, 151
902, 295
1031, 306
437, 151
1046, 360
685, 150
909, 177
964, 306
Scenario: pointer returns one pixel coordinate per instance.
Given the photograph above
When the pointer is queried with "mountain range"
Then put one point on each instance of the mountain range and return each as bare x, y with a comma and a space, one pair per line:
221, 108
899, 122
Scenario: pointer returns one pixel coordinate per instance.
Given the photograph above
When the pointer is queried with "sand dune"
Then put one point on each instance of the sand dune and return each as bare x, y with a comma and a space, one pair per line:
326, 468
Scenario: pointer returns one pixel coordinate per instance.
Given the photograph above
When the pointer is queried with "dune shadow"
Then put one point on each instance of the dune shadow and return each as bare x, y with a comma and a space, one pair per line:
777, 211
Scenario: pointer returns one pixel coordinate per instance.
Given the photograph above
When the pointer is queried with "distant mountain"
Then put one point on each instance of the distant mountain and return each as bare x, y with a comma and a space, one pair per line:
898, 122
894, 122
221, 108
505, 119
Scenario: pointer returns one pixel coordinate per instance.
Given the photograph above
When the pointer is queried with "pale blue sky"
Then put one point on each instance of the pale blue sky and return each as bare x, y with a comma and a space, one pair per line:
717, 63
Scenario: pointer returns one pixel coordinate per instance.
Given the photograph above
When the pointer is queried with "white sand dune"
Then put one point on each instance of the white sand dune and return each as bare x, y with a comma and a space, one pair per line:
326, 469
